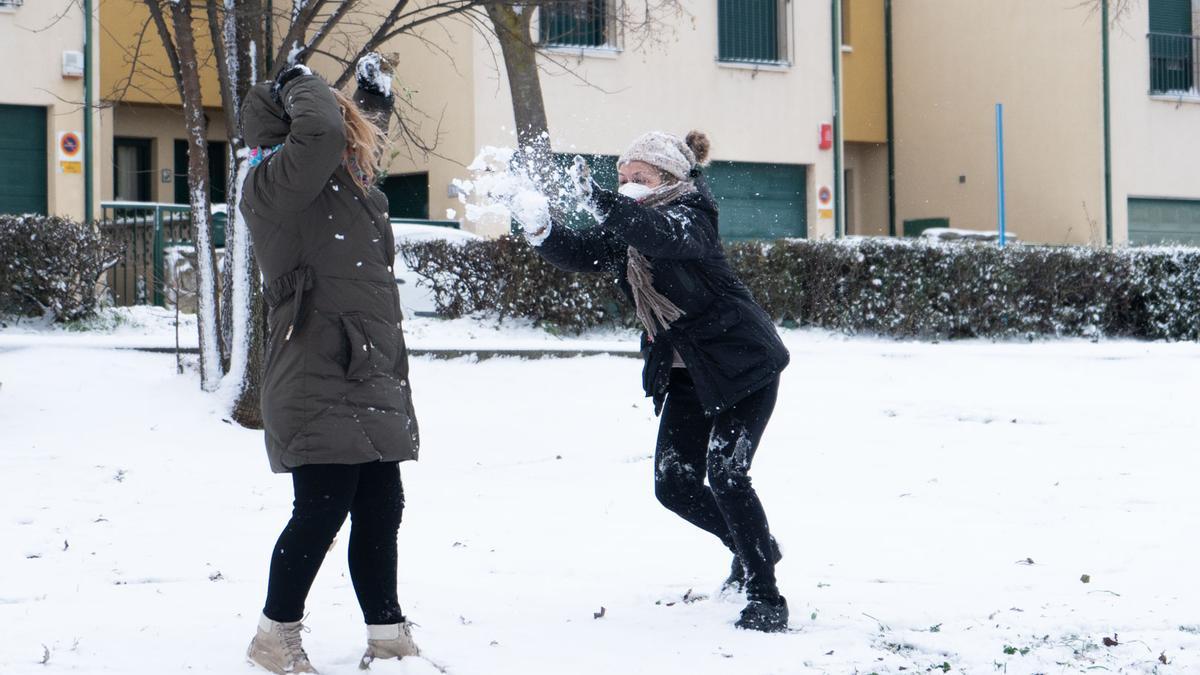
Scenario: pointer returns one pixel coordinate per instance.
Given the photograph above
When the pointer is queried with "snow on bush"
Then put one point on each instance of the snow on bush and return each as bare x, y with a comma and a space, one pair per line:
898, 288
50, 267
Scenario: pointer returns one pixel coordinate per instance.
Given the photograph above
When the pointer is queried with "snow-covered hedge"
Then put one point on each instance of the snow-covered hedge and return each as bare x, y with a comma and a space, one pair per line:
507, 277
900, 288
49, 266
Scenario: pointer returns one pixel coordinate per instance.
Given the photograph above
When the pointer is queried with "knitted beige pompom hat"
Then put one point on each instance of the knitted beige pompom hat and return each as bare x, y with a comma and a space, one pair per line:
668, 152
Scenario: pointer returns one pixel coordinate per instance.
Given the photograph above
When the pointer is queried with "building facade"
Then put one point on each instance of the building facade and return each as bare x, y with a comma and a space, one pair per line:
755, 75
43, 125
846, 117
1044, 60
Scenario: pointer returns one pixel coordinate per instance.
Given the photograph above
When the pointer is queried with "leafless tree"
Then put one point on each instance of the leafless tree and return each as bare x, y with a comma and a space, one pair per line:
343, 31
179, 41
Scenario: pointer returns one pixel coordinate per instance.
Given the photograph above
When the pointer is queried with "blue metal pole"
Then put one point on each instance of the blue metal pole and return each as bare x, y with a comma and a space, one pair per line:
1001, 215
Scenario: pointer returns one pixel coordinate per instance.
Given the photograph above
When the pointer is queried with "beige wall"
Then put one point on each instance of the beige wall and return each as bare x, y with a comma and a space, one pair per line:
1155, 141
32, 43
753, 115
953, 61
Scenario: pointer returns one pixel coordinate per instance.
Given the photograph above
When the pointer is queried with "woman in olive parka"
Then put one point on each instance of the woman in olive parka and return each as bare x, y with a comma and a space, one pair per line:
337, 405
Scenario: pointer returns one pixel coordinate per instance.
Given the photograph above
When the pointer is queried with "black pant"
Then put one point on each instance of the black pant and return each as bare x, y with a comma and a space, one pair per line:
691, 447
325, 493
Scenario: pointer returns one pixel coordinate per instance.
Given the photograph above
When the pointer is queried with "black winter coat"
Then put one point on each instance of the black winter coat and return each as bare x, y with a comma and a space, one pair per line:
336, 386
729, 344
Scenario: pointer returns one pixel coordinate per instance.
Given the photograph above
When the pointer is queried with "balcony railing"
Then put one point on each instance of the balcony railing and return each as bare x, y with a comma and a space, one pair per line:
1174, 64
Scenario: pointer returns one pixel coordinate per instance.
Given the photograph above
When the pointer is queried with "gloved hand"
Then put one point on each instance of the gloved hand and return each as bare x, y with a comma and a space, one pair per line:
593, 198
287, 75
581, 179
374, 74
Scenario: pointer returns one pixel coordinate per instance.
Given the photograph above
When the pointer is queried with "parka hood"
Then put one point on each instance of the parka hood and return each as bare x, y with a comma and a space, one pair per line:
264, 122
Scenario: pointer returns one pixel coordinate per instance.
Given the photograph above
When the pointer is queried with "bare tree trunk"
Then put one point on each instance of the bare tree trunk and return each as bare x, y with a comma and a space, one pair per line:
220, 32
252, 43
237, 36
181, 52
511, 24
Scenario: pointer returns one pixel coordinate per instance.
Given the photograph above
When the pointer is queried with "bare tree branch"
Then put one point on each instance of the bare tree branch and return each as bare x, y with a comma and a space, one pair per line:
168, 42
294, 39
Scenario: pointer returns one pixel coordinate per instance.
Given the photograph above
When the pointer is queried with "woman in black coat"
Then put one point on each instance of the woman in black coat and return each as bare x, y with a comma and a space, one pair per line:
337, 405
712, 355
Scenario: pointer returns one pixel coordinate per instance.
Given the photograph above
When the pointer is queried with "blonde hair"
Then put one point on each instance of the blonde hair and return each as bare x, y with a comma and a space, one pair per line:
365, 141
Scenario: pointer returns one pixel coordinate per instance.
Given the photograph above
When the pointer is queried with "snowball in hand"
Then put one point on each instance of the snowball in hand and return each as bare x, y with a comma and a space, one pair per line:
532, 210
370, 70
502, 188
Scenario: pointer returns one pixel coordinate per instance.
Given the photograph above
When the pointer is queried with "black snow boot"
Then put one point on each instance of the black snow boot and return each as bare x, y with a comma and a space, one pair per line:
736, 583
769, 615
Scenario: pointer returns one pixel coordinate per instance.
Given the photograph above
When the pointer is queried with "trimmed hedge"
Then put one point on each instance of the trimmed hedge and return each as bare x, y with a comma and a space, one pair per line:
895, 287
50, 266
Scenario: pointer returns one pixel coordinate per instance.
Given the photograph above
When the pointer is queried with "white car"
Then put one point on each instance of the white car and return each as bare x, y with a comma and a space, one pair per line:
415, 298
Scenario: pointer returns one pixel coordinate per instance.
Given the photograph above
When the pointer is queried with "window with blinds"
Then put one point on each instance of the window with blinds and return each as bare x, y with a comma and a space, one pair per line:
751, 31
575, 23
1174, 50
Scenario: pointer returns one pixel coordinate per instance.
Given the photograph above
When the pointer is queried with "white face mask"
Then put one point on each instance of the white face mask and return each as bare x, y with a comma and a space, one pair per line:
636, 191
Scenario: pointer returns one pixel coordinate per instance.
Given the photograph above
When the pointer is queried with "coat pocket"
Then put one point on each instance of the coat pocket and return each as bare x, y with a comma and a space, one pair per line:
360, 356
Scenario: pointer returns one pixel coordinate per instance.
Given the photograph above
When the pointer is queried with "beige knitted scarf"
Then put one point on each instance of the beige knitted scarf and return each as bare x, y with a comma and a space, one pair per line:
653, 308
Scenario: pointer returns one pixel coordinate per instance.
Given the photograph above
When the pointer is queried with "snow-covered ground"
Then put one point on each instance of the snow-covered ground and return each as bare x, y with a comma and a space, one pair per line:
154, 328
938, 505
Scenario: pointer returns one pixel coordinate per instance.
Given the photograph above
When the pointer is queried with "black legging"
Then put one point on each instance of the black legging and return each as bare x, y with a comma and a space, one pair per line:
691, 447
325, 493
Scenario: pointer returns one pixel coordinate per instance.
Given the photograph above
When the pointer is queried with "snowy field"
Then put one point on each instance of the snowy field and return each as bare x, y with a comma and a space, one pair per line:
938, 505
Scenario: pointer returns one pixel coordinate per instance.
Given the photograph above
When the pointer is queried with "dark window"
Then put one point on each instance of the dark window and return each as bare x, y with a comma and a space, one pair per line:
574, 23
23, 159
408, 195
133, 173
1171, 16
218, 165
1174, 51
750, 31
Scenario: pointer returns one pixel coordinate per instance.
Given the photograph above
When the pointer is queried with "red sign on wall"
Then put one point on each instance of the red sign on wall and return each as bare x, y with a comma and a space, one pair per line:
826, 136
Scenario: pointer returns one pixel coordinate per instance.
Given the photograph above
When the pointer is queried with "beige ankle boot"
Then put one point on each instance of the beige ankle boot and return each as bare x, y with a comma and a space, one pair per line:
389, 641
277, 648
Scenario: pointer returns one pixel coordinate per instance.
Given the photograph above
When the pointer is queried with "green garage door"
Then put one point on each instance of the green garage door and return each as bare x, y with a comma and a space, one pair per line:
757, 201
22, 159
1164, 221
760, 201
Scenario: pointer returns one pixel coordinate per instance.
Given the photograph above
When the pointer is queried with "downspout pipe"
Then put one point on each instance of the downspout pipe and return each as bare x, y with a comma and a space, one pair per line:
1108, 189
89, 109
891, 124
839, 221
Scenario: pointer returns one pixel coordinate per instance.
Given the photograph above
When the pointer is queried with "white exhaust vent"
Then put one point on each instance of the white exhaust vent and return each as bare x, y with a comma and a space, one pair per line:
72, 63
